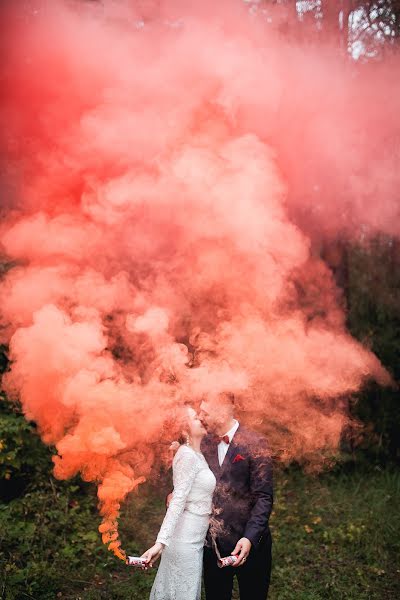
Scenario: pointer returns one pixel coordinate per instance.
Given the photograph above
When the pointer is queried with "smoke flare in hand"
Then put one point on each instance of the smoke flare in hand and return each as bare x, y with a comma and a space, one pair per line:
169, 172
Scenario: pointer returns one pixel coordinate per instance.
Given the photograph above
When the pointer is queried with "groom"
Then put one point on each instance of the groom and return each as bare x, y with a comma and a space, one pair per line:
242, 504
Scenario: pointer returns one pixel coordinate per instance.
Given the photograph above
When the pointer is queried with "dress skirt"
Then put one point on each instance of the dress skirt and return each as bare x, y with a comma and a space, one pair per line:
179, 574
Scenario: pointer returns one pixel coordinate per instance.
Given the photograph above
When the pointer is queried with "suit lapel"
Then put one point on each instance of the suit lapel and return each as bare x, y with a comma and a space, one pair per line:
210, 452
231, 453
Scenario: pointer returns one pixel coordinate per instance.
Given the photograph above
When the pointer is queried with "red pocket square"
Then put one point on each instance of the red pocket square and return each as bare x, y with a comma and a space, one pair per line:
237, 458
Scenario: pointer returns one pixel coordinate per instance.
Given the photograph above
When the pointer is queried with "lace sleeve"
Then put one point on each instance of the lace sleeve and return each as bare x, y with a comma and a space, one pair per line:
185, 467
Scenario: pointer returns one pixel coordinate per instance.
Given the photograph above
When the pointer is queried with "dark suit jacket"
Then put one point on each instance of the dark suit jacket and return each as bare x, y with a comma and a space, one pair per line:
243, 496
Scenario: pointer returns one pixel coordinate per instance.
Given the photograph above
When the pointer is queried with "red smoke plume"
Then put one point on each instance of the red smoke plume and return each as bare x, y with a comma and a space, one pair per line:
167, 171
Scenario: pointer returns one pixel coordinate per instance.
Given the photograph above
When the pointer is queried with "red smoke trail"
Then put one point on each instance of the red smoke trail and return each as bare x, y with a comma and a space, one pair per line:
166, 179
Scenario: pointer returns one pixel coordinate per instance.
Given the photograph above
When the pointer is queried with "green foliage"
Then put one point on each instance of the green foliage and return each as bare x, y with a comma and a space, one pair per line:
21, 452
337, 537
373, 294
46, 526
49, 539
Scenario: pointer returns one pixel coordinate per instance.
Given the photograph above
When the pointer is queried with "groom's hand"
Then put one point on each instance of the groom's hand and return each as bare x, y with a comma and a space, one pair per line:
242, 550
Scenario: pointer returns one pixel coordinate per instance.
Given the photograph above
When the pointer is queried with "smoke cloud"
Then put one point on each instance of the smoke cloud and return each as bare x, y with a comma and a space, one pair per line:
168, 171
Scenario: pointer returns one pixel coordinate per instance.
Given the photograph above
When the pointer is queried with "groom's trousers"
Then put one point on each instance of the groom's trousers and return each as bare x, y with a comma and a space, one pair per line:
253, 577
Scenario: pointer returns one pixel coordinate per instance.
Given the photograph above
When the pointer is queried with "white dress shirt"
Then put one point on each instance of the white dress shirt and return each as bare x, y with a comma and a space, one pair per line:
222, 446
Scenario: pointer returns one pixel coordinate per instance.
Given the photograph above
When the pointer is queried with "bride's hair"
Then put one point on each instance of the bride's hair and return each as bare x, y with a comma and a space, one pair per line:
180, 423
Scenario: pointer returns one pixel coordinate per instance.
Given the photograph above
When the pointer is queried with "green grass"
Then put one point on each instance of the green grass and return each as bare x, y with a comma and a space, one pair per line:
335, 537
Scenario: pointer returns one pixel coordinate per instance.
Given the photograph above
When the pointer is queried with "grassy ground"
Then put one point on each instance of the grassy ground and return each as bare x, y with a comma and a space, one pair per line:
335, 537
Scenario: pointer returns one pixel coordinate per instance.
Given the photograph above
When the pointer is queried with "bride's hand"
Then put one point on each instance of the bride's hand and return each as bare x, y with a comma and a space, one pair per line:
153, 553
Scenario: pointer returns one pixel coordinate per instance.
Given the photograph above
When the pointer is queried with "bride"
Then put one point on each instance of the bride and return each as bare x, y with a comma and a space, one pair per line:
181, 537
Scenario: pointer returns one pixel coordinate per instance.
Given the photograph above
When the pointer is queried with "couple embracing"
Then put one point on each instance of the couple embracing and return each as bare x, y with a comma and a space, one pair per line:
220, 506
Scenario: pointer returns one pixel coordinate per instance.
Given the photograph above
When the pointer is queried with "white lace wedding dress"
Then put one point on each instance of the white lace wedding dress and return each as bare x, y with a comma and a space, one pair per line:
184, 528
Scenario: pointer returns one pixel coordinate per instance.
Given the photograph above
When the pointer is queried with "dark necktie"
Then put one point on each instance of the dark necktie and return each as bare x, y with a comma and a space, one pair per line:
224, 438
